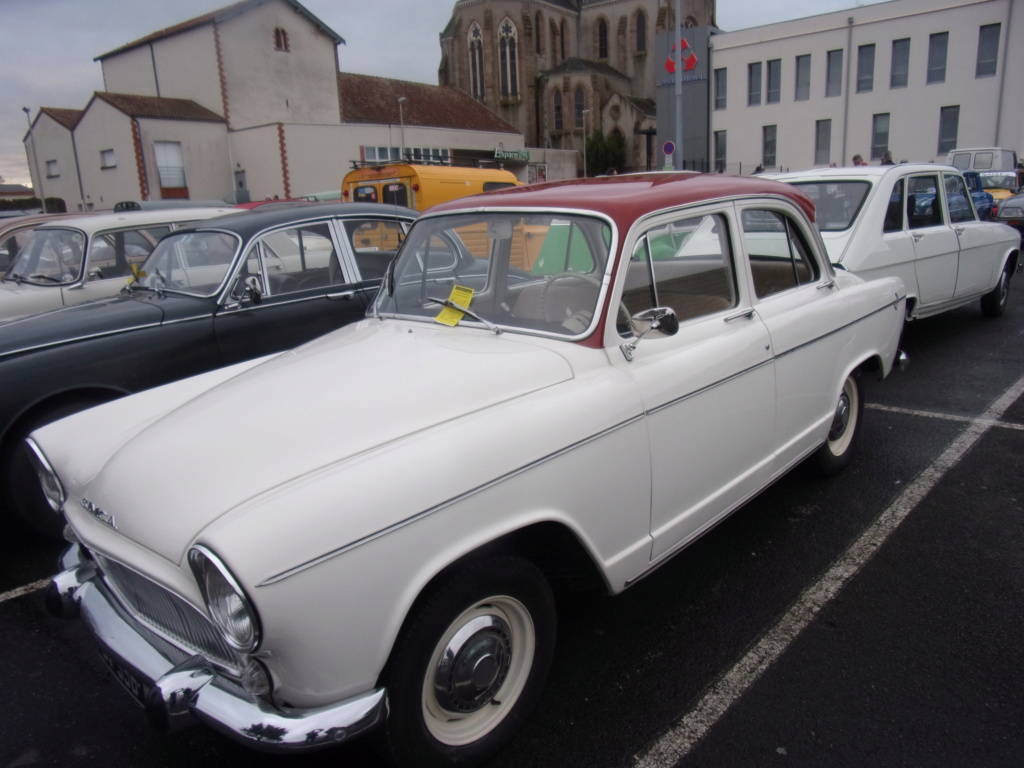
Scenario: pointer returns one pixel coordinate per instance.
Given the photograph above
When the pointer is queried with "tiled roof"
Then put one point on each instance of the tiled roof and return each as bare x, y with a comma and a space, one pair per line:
216, 16
370, 99
134, 105
67, 117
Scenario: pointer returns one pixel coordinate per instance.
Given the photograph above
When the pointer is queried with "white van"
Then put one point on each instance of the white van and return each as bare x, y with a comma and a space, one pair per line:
983, 159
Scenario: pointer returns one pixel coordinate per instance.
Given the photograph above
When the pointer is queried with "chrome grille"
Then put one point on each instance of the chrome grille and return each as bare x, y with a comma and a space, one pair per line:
167, 614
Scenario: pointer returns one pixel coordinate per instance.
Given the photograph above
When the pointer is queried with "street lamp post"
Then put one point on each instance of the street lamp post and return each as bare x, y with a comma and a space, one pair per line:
35, 158
401, 120
585, 113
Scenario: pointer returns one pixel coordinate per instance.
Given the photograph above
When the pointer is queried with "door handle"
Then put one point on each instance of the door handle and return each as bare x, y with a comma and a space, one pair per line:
917, 236
959, 230
739, 315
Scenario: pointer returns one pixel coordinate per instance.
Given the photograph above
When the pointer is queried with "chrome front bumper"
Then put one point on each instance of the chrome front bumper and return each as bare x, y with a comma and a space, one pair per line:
176, 694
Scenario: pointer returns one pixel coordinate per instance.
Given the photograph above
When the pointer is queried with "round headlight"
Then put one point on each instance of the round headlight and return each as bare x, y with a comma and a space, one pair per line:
53, 490
225, 600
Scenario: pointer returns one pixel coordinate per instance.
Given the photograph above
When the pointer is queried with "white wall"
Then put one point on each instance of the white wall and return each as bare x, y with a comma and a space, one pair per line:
49, 140
204, 155
103, 127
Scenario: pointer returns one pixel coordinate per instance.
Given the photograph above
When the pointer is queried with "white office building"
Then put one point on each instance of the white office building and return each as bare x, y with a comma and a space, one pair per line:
913, 77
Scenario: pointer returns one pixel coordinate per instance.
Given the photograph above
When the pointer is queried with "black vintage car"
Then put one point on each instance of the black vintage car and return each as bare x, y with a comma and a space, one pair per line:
220, 292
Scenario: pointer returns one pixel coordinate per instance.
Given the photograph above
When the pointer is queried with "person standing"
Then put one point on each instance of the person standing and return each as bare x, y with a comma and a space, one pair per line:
887, 158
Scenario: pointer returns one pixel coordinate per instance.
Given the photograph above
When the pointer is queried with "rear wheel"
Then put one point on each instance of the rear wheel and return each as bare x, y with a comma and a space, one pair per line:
993, 303
838, 449
469, 665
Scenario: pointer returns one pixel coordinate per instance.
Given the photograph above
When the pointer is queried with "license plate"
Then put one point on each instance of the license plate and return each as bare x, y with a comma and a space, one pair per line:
129, 679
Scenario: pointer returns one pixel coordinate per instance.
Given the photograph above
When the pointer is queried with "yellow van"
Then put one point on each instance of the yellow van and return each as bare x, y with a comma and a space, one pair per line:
420, 186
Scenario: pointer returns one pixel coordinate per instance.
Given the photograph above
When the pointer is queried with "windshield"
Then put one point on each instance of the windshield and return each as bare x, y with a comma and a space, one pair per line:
836, 203
190, 262
535, 272
999, 181
50, 257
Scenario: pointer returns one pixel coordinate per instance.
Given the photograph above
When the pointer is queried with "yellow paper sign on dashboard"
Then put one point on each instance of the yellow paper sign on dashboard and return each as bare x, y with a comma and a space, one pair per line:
460, 295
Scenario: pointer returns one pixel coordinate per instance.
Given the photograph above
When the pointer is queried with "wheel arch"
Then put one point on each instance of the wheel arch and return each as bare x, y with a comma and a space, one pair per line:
54, 403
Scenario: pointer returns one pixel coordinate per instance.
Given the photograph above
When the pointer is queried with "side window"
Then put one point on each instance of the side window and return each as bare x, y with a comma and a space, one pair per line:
686, 265
298, 259
114, 253
958, 200
894, 213
924, 209
779, 255
374, 243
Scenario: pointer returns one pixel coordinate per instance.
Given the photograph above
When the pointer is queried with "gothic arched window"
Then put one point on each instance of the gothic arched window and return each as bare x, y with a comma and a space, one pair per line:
558, 110
602, 39
538, 36
641, 32
508, 59
579, 104
476, 62
563, 35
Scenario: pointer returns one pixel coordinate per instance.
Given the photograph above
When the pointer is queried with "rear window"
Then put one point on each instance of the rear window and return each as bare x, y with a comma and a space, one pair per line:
836, 203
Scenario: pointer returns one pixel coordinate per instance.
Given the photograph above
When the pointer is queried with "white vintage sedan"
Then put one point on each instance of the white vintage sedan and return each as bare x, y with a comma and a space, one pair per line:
558, 382
917, 222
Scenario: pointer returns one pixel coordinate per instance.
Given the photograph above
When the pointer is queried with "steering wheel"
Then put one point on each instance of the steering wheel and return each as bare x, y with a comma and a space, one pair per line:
580, 279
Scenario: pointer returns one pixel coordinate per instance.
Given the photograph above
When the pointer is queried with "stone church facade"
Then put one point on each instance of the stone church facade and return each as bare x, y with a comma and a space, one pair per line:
557, 69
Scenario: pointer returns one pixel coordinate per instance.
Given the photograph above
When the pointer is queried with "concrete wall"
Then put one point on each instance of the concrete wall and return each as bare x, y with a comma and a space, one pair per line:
102, 127
49, 140
204, 156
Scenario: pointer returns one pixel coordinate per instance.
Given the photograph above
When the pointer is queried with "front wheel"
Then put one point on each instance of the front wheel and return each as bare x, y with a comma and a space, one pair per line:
469, 665
838, 449
993, 303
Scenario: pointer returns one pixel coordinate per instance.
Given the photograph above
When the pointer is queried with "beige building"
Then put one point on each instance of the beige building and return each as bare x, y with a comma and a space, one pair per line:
247, 103
556, 69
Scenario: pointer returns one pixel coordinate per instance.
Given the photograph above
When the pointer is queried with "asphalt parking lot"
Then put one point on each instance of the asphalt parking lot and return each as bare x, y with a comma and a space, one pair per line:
871, 619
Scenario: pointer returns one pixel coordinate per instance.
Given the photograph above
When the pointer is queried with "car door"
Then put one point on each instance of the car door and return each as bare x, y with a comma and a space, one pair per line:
794, 296
980, 256
709, 390
936, 246
308, 283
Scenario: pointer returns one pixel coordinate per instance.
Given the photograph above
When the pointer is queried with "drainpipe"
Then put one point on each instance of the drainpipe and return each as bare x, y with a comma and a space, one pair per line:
1002, 75
846, 98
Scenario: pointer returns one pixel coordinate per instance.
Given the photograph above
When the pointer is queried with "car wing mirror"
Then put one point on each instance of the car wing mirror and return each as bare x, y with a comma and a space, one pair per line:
248, 292
656, 323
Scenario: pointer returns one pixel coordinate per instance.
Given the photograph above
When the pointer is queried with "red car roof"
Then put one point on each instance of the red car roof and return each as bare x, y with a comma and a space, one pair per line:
626, 197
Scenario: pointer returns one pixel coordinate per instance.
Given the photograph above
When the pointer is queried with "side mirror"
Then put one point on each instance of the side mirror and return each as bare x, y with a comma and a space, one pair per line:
248, 292
95, 274
657, 323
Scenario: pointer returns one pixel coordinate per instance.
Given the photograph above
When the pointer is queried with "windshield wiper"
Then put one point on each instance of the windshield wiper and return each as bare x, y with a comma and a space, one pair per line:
452, 305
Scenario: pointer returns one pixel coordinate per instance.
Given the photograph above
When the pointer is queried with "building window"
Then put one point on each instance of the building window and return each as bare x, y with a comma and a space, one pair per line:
720, 151
822, 142
52, 172
558, 111
562, 36
937, 47
834, 74
602, 39
382, 154
803, 78
508, 60
538, 42
988, 50
107, 159
280, 40
774, 81
879, 135
476, 63
900, 63
754, 84
435, 155
949, 124
169, 164
768, 146
578, 106
721, 87
641, 32
865, 68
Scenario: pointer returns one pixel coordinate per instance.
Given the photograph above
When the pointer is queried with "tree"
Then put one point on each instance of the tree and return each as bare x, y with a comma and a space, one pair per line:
605, 153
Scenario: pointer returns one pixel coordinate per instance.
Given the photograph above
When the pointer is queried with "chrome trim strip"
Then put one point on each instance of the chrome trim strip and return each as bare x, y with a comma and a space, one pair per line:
708, 387
891, 305
444, 504
119, 331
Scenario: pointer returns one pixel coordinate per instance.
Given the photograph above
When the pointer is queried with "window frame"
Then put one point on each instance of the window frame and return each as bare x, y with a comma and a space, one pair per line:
754, 84
938, 54
899, 67
802, 85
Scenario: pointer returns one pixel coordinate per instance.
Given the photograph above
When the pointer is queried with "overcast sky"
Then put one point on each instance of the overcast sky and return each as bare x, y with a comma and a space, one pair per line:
49, 45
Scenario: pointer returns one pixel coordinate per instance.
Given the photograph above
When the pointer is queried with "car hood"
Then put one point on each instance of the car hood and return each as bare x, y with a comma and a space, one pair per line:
165, 478
89, 319
20, 299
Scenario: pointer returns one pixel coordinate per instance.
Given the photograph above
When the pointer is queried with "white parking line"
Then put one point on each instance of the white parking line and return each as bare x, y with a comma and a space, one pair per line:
22, 591
677, 742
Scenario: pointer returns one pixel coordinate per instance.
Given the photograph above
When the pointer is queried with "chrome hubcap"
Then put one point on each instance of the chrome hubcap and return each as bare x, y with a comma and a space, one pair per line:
473, 665
841, 418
